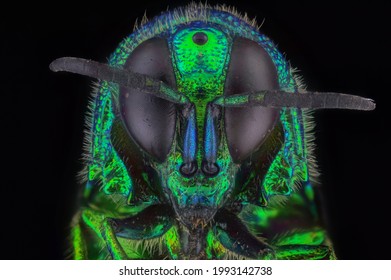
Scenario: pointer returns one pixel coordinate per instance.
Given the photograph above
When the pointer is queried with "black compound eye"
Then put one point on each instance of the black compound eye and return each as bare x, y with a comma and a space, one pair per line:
149, 119
250, 69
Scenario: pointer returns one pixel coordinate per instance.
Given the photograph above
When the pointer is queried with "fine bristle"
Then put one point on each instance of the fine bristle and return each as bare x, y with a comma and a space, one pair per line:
182, 15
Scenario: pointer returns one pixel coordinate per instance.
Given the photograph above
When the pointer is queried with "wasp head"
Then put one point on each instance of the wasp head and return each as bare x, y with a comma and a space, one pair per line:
198, 115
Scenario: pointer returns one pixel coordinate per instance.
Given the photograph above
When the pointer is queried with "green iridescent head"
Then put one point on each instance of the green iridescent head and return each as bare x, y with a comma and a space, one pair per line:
201, 117
198, 131
202, 156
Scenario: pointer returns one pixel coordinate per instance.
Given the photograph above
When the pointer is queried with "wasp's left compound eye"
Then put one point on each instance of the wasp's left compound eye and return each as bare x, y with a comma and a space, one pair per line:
150, 120
251, 69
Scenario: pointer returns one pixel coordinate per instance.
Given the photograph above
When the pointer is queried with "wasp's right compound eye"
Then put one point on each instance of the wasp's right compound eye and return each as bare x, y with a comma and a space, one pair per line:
150, 120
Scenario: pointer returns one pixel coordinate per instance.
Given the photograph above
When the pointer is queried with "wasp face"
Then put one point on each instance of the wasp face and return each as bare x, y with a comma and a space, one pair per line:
196, 137
198, 147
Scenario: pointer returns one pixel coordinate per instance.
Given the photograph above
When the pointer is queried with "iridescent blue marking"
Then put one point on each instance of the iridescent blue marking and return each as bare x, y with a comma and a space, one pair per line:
190, 141
210, 138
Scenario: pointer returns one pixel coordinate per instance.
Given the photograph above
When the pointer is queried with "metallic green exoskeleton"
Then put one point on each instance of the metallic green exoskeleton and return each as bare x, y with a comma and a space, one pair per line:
199, 146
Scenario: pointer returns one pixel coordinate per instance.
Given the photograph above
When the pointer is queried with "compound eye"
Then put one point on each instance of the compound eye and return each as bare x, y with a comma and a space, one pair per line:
250, 69
149, 120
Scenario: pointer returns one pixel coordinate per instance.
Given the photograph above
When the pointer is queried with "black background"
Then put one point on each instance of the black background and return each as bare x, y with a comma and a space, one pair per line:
337, 47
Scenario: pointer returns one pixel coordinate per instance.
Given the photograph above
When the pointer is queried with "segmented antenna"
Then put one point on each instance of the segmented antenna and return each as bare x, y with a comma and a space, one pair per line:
265, 98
